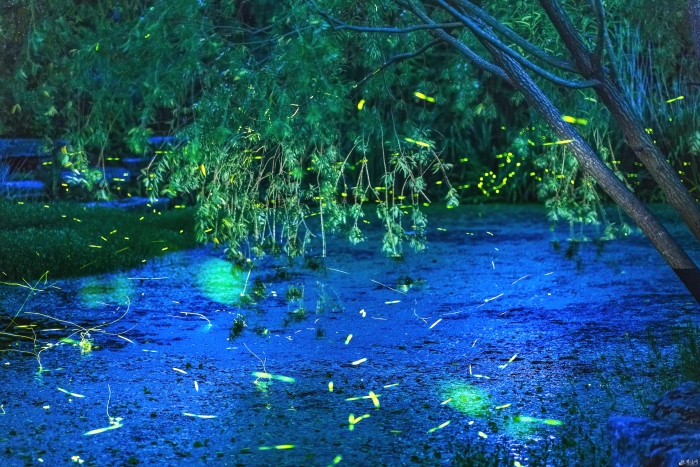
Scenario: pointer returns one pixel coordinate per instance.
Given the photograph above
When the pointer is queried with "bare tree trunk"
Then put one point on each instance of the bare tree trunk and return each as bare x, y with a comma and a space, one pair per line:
669, 249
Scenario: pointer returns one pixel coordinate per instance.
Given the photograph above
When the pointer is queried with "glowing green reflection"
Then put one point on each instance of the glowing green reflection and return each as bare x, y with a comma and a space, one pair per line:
477, 403
97, 292
220, 282
466, 398
542, 421
523, 426
514, 428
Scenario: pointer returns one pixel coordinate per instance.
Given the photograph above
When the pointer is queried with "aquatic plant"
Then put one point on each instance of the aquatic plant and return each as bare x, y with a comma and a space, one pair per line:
572, 250
295, 316
527, 441
326, 302
547, 452
315, 264
583, 441
237, 327
654, 370
294, 293
81, 336
261, 331
405, 283
244, 300
259, 288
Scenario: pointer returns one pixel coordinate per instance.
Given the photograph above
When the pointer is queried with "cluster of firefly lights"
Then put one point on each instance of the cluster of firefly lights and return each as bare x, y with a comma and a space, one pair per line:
491, 176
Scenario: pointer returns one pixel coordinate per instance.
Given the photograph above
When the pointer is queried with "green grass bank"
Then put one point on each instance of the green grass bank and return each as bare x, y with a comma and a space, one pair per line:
70, 239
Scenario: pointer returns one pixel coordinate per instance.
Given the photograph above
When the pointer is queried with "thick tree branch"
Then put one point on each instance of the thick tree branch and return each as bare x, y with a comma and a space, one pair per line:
417, 27
570, 37
603, 43
471, 55
398, 58
613, 69
631, 124
405, 30
481, 34
509, 34
461, 47
337, 24
602, 30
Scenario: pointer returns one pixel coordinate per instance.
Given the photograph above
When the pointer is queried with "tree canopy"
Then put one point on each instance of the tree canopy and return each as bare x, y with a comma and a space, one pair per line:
286, 110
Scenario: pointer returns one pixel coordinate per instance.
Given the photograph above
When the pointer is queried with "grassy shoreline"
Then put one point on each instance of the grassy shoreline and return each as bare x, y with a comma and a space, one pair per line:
69, 239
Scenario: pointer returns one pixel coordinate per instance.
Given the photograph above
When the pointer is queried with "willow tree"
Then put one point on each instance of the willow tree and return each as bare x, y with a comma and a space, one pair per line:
588, 62
287, 110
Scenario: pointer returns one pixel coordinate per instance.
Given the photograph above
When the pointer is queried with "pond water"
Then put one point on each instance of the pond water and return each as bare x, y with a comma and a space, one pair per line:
490, 337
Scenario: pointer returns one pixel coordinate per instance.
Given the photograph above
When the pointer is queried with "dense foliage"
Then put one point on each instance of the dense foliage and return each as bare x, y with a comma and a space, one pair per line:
279, 118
